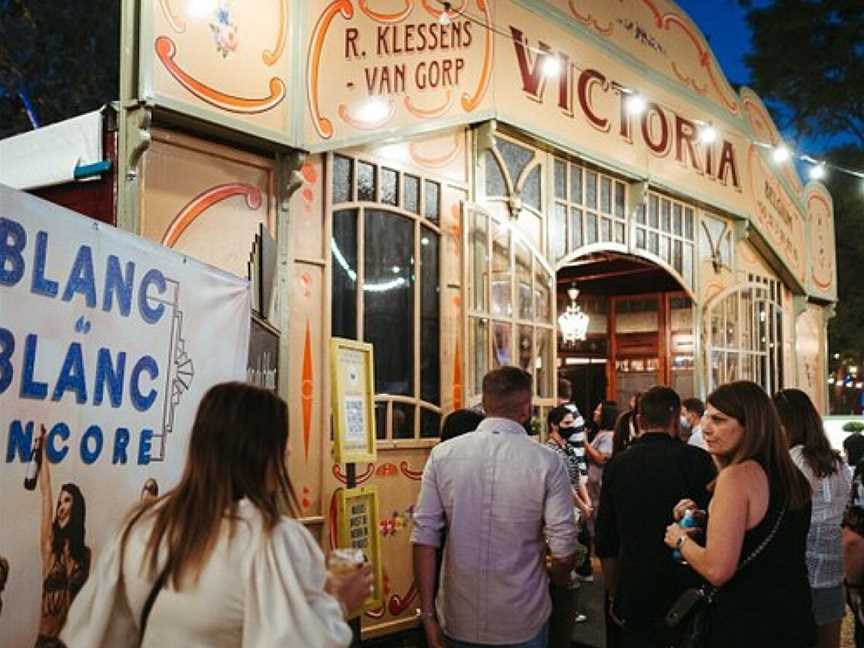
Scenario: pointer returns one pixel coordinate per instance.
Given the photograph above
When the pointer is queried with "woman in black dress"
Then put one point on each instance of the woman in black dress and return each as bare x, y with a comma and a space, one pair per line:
759, 514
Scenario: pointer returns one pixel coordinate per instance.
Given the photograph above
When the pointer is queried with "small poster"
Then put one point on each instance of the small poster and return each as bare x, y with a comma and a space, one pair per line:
358, 529
353, 409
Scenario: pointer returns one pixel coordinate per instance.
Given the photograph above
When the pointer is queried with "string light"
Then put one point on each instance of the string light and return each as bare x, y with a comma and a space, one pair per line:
636, 104
551, 67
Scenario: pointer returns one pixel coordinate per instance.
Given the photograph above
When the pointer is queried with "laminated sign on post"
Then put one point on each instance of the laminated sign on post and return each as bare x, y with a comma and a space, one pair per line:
358, 529
353, 409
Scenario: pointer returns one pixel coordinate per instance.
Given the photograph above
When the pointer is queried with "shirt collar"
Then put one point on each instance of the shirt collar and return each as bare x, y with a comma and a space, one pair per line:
656, 435
494, 424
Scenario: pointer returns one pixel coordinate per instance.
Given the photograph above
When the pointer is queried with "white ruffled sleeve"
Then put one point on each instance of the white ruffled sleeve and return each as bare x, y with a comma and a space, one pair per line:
286, 604
100, 616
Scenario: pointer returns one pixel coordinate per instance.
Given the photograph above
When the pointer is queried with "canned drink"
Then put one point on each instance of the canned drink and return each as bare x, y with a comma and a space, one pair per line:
345, 560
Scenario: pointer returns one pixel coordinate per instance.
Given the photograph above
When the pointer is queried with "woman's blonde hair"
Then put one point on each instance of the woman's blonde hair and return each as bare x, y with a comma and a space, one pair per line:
237, 450
763, 440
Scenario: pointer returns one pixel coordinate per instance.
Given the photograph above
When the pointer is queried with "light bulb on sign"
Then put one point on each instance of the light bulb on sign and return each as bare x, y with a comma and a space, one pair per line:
373, 109
781, 153
707, 134
551, 67
636, 104
817, 171
444, 18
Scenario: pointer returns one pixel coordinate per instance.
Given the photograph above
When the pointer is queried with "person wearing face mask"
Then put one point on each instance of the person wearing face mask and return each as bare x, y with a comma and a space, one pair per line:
566, 437
692, 410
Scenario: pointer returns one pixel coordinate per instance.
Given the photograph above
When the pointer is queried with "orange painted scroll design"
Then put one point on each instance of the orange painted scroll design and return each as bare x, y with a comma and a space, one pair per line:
398, 604
165, 51
436, 12
410, 474
361, 479
457, 376
470, 103
664, 21
822, 259
764, 129
437, 161
271, 56
177, 24
307, 388
316, 45
399, 16
430, 113
366, 124
203, 201
590, 21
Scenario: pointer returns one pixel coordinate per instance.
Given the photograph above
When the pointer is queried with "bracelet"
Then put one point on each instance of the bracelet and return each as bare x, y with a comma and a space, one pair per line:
428, 614
680, 541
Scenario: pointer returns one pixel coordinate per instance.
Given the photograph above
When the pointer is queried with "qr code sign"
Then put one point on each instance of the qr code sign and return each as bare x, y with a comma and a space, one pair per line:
354, 420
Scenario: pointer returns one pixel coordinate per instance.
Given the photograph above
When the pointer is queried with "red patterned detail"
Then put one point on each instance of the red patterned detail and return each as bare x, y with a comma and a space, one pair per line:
366, 476
332, 516
410, 474
387, 470
399, 604
307, 389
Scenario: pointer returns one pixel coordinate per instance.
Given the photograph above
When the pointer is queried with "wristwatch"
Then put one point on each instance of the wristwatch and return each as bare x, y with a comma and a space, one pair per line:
681, 540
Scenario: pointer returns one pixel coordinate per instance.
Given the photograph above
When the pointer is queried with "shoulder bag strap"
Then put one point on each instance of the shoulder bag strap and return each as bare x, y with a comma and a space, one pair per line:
151, 599
764, 543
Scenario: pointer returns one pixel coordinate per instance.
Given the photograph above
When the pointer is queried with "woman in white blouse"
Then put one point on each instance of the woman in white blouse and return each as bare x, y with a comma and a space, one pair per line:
214, 562
830, 480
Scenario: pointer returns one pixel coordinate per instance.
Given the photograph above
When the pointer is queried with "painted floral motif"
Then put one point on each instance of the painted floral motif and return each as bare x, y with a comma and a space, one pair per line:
224, 30
396, 522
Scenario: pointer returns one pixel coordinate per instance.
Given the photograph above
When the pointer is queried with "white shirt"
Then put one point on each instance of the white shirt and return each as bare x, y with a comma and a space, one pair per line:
824, 540
697, 439
503, 497
254, 591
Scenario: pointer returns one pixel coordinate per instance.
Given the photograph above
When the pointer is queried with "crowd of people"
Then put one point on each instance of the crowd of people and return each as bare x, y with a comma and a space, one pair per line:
725, 523
728, 523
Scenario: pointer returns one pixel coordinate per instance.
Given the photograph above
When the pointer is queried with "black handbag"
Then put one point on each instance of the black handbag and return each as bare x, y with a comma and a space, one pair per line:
692, 607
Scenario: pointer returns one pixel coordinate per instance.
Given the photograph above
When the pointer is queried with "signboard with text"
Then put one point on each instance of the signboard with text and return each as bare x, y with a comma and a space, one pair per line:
358, 529
107, 342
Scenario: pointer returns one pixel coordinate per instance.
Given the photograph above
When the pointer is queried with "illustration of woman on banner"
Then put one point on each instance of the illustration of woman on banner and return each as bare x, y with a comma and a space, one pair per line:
65, 557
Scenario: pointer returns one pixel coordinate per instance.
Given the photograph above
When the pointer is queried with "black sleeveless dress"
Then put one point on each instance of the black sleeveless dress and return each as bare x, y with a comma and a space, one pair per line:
767, 603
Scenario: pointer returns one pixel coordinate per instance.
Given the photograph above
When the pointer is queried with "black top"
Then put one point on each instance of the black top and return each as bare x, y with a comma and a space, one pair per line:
641, 485
767, 603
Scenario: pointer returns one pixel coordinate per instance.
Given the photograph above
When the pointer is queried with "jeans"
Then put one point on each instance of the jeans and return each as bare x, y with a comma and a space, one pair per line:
540, 640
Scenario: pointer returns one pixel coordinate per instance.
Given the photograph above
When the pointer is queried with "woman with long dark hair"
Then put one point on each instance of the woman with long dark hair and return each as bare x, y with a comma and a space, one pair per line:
216, 561
65, 556
830, 480
757, 527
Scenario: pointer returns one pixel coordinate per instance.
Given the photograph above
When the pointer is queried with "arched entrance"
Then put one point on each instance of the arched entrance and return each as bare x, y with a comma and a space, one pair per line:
640, 332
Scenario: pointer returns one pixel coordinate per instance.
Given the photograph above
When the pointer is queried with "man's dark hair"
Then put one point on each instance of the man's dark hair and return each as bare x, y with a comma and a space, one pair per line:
502, 389
853, 445
694, 405
659, 407
556, 415
458, 422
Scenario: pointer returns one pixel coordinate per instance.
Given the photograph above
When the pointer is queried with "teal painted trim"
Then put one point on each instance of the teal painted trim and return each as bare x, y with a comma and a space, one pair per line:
553, 15
212, 117
89, 170
385, 136
298, 41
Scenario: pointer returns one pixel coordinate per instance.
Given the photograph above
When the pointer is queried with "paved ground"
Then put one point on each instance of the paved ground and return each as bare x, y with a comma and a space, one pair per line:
592, 633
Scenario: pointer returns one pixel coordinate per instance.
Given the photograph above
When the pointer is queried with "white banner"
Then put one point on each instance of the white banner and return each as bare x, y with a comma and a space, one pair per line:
110, 342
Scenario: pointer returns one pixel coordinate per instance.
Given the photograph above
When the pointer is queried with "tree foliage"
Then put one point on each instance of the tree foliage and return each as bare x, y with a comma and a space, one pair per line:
808, 64
61, 56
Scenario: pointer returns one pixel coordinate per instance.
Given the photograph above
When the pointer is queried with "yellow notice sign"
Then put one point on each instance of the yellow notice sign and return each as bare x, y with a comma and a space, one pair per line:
358, 529
353, 408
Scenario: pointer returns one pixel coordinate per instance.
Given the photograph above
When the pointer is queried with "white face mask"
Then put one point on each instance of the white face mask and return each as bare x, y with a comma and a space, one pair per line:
685, 424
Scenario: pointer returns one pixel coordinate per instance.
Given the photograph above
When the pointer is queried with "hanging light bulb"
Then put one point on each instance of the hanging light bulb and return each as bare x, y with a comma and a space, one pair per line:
444, 18
817, 171
573, 323
781, 153
707, 134
636, 104
551, 66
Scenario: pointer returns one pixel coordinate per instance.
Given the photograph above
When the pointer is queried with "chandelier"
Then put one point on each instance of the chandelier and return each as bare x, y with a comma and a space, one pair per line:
573, 323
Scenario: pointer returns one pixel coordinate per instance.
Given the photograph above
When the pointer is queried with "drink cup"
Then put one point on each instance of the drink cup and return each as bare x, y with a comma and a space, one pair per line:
342, 562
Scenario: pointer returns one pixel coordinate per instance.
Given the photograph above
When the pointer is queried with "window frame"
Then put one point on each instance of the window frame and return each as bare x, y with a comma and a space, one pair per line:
419, 224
